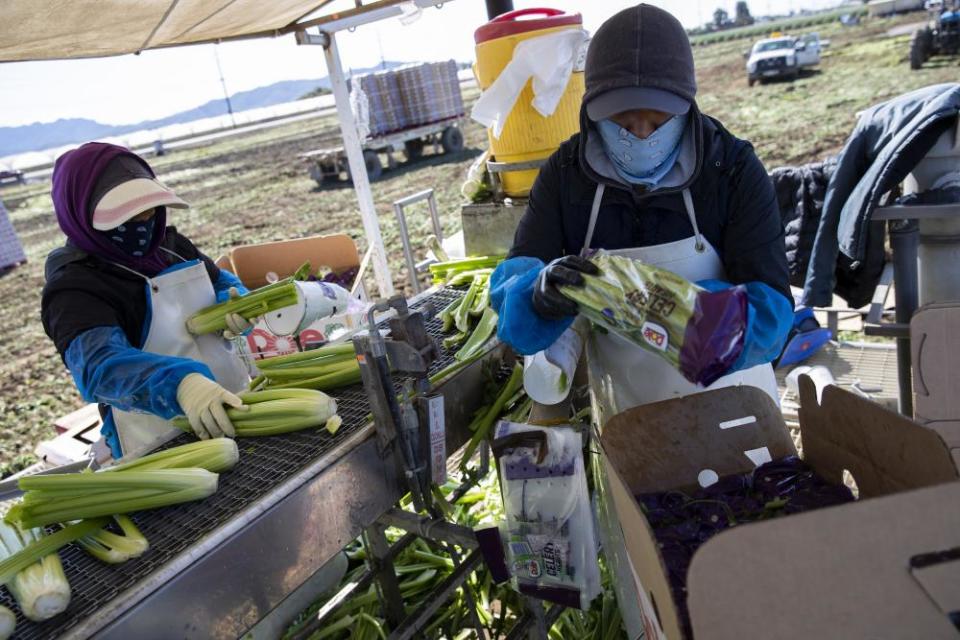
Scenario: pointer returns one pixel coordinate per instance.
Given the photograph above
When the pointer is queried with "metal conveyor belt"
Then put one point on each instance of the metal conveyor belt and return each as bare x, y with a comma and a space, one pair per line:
264, 464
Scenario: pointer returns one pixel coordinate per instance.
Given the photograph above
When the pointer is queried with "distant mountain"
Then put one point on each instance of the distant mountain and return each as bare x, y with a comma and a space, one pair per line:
46, 135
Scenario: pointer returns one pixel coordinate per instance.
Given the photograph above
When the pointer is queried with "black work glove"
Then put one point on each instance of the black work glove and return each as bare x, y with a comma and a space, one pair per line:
548, 302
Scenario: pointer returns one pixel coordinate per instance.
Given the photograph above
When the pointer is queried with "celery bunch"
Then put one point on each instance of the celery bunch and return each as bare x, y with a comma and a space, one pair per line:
326, 368
74, 496
252, 305
444, 272
40, 587
276, 411
216, 455
472, 318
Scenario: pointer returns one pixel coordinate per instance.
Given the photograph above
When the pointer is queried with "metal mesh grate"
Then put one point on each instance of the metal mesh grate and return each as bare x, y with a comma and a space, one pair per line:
264, 464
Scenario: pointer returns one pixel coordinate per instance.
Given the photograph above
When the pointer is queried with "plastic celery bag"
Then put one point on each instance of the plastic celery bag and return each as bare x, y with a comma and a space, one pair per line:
699, 332
551, 545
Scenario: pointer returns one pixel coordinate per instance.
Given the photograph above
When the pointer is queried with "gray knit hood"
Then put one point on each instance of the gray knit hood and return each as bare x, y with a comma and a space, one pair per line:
643, 46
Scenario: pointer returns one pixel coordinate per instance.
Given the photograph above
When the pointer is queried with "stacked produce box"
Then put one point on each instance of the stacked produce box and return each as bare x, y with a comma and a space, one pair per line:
430, 92
411, 95
11, 251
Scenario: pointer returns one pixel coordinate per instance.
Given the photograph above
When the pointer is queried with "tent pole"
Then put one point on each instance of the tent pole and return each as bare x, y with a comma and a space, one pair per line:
358, 168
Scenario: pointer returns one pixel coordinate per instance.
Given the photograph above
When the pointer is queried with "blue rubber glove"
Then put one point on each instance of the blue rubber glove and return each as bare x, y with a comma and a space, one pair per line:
769, 319
225, 282
511, 295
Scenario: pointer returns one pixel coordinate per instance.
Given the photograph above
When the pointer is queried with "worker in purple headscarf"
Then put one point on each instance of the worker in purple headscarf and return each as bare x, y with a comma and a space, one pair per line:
116, 301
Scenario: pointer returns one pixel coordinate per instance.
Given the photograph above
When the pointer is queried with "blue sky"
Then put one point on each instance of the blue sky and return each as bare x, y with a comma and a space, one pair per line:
126, 89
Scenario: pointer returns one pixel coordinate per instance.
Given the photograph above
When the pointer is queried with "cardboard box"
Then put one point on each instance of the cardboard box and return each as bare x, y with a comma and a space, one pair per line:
760, 579
935, 353
258, 264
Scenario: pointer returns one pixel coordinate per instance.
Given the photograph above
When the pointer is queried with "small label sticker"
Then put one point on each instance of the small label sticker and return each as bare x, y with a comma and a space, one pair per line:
655, 335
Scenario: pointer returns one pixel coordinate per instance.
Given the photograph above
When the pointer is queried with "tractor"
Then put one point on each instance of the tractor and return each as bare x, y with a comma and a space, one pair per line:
940, 37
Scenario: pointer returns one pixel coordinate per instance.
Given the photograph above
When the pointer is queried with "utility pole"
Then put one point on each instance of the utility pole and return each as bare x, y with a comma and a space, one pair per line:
226, 95
497, 7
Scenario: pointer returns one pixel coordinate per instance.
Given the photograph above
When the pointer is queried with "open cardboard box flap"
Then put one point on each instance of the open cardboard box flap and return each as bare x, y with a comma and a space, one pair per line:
884, 451
666, 445
840, 572
251, 263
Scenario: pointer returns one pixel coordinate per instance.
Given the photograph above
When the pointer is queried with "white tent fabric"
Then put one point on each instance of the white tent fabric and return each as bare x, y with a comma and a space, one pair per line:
56, 29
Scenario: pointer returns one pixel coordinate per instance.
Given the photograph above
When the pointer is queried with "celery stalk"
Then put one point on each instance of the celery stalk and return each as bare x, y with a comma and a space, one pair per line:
481, 334
8, 622
114, 548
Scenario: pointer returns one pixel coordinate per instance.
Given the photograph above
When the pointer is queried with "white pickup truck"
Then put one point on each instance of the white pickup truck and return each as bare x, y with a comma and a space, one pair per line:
783, 57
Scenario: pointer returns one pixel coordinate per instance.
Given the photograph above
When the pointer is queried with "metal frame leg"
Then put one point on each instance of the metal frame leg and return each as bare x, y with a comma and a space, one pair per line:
398, 210
904, 241
388, 587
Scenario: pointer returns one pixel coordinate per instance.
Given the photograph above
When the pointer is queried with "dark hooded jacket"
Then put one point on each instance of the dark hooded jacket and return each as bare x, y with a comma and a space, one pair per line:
733, 197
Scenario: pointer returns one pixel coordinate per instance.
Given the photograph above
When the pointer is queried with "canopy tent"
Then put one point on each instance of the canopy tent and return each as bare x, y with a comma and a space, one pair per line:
63, 29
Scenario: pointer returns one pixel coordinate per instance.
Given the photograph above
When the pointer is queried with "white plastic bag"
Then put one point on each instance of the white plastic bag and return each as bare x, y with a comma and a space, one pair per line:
551, 548
361, 110
549, 60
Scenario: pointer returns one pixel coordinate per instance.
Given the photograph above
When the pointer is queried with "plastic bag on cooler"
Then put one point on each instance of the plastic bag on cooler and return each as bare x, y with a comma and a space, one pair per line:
548, 60
550, 544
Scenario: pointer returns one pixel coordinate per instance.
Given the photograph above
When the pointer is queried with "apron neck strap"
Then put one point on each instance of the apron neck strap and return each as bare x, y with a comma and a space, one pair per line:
692, 215
173, 253
133, 271
137, 273
594, 212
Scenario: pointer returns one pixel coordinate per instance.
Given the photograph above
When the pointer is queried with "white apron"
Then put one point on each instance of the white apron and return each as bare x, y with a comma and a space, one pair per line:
173, 296
626, 375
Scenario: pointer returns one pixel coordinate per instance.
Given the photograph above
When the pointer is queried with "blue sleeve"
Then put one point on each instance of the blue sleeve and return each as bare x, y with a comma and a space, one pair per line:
511, 295
222, 286
107, 369
769, 319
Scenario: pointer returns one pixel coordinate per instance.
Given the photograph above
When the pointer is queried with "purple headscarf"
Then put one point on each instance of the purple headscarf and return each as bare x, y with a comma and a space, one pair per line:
74, 176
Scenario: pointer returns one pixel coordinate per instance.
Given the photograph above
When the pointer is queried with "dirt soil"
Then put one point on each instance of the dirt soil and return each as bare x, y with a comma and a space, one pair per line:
253, 188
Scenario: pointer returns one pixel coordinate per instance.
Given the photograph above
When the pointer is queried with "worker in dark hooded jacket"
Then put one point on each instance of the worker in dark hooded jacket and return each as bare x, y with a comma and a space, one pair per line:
116, 301
652, 178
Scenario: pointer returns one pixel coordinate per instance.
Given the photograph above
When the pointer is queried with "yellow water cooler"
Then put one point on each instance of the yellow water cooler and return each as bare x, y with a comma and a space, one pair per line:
527, 136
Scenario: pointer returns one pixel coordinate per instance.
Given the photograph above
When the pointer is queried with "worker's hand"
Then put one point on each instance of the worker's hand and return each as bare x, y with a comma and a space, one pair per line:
237, 325
548, 302
202, 401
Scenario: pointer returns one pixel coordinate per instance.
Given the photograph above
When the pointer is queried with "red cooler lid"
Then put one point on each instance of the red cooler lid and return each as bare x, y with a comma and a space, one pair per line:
507, 24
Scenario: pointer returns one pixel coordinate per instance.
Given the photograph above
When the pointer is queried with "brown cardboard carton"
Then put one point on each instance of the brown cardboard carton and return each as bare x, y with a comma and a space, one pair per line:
251, 263
668, 444
935, 353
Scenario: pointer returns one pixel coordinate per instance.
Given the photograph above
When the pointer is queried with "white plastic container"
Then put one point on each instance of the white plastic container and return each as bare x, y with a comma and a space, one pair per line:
548, 375
316, 300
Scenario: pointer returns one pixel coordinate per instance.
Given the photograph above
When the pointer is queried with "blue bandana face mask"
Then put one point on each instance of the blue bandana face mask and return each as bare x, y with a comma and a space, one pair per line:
643, 160
133, 237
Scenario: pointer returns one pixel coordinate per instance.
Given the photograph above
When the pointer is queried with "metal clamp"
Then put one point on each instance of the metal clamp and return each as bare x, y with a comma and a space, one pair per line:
496, 168
413, 268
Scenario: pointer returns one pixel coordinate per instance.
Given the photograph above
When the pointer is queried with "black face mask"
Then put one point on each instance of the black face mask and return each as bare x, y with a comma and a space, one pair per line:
132, 237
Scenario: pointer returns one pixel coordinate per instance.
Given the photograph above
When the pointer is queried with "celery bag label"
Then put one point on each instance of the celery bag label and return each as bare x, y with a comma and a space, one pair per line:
655, 335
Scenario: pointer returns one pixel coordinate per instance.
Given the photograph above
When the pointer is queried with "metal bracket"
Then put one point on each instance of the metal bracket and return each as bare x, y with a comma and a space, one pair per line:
409, 350
413, 268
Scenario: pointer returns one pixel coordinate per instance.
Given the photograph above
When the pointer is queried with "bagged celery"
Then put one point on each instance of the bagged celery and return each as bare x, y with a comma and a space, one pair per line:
699, 332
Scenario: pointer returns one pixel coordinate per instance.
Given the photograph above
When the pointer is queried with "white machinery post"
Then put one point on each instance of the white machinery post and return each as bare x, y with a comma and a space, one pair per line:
358, 168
